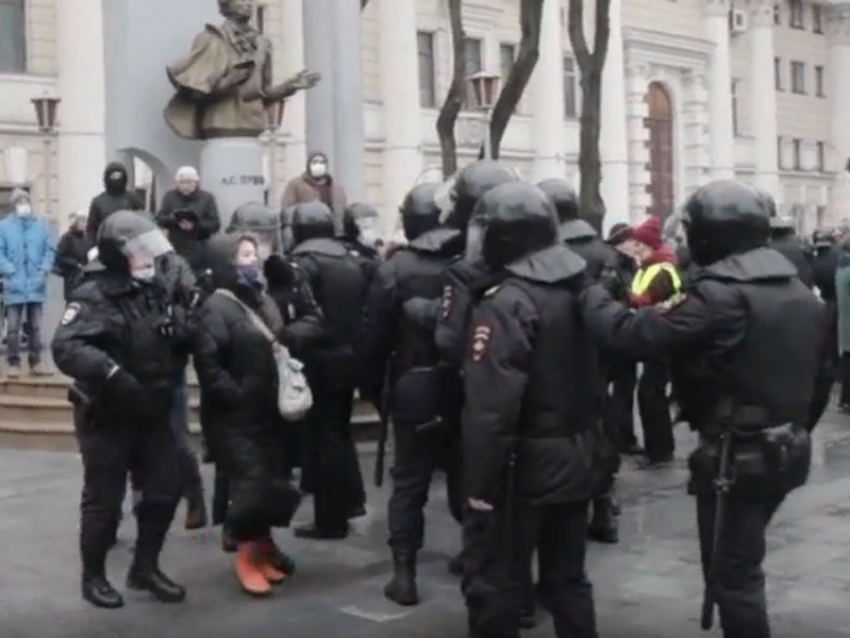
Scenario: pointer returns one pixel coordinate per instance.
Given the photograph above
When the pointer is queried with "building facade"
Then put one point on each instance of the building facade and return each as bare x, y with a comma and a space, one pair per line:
693, 90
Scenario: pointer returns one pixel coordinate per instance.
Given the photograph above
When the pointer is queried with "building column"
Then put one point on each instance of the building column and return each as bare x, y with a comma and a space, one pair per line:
350, 136
548, 98
838, 90
402, 115
82, 113
764, 108
295, 116
637, 110
319, 56
613, 143
720, 86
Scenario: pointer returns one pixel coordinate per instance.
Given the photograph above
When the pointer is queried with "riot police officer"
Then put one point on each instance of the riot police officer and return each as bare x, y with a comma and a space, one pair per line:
750, 370
117, 340
360, 230
533, 445
470, 186
264, 224
332, 471
422, 436
784, 239
583, 239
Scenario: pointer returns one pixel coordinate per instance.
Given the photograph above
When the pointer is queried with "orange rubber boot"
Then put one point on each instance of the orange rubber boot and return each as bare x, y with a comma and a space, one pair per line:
249, 570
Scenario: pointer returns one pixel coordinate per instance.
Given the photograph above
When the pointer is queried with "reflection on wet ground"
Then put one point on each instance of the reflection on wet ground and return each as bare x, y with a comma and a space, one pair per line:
647, 586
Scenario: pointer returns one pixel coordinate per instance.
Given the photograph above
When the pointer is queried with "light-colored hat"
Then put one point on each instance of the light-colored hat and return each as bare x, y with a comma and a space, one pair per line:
187, 174
19, 194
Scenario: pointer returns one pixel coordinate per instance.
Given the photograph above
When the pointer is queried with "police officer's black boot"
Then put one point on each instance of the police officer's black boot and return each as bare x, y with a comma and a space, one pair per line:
145, 574
100, 593
604, 526
456, 565
196, 512
402, 588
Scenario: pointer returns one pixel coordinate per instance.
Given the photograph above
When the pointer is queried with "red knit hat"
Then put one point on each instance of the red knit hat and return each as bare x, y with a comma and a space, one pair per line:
648, 233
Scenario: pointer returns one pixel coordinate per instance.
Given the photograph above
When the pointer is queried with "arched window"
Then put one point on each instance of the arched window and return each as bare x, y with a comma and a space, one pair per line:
13, 57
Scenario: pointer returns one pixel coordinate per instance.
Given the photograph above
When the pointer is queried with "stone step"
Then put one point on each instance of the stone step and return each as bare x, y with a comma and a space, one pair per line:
50, 410
55, 387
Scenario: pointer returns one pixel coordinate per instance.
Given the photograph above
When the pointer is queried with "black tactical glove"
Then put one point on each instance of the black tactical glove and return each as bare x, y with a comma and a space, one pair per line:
613, 283
124, 390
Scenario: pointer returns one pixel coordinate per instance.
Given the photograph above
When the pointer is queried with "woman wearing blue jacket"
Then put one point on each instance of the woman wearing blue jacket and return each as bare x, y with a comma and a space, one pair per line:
26, 258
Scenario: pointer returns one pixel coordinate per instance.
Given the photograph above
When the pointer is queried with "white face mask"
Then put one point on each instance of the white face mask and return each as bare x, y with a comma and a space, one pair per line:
144, 274
319, 169
23, 209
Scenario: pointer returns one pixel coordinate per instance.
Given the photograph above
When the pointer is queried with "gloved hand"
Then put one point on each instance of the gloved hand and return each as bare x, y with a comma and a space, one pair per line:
125, 390
613, 283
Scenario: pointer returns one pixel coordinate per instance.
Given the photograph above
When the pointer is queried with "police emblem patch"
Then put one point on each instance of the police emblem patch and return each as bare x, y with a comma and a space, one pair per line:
448, 298
71, 313
480, 341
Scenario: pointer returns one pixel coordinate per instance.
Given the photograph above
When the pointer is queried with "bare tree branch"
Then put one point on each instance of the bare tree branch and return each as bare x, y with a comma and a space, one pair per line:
454, 99
530, 16
591, 66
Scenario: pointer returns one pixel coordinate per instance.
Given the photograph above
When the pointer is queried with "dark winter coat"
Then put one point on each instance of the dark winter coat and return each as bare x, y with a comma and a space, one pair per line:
795, 250
114, 198
190, 244
71, 256
239, 389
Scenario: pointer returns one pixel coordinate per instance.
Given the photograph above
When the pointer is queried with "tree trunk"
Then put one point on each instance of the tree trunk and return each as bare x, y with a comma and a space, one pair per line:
454, 99
592, 208
530, 16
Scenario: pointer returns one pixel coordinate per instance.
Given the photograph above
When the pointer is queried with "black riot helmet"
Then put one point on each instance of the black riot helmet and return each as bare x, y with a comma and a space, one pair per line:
260, 221
725, 218
781, 226
360, 224
511, 221
131, 242
312, 220
470, 186
769, 203
563, 197
420, 211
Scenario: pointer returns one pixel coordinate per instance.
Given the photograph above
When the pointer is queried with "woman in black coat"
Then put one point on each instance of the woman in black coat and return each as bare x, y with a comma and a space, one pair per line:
238, 376
72, 253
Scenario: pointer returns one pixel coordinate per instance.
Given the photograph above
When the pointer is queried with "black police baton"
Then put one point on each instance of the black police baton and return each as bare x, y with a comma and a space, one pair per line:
722, 485
385, 426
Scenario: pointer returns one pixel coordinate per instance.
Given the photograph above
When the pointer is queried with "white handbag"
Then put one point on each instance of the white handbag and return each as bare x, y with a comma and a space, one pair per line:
294, 398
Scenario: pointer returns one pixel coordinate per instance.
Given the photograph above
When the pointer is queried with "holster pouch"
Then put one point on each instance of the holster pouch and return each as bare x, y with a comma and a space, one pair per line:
772, 461
418, 399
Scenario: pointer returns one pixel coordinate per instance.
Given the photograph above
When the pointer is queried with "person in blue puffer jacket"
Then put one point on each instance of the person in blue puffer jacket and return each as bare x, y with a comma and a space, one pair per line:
26, 258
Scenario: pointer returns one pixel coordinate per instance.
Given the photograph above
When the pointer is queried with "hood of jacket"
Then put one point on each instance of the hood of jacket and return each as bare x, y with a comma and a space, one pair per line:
115, 187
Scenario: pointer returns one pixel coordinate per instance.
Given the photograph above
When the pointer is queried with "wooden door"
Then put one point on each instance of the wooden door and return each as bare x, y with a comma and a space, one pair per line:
660, 125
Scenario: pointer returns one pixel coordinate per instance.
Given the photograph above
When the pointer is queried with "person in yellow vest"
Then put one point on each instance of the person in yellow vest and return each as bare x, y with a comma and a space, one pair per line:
656, 282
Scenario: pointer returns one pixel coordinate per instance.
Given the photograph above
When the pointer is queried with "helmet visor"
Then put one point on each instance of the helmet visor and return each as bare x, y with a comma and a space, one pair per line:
144, 249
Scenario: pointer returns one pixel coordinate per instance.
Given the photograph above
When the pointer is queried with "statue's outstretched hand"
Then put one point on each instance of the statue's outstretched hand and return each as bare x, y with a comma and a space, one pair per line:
305, 80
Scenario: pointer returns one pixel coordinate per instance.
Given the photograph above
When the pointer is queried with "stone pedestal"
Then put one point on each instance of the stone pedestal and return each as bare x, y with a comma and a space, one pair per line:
232, 170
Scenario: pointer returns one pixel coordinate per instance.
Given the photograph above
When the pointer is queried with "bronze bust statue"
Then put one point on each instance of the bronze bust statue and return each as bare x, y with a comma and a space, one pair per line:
225, 83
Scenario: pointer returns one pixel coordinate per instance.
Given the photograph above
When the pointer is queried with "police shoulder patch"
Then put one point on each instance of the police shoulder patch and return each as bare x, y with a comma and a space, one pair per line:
72, 311
480, 342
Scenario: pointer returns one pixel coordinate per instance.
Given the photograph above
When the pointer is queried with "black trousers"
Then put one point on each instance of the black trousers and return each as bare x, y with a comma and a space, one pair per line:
417, 456
333, 466
496, 576
655, 411
741, 593
149, 454
622, 375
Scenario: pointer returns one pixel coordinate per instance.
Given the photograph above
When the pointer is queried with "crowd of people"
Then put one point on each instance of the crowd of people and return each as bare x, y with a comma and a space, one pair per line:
501, 339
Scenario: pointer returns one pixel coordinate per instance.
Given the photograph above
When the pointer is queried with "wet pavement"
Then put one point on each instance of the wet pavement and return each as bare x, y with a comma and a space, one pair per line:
647, 586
